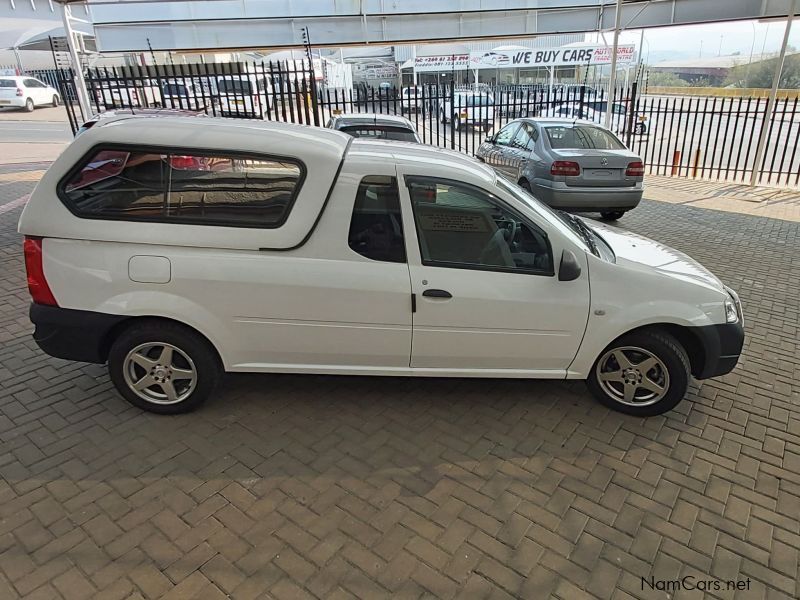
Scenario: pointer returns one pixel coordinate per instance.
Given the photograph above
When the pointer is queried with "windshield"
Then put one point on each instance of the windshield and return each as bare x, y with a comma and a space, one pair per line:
174, 89
238, 86
380, 132
479, 101
581, 137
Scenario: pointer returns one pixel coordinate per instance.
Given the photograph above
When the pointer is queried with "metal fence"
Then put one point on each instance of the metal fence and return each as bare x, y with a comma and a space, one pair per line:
716, 138
708, 138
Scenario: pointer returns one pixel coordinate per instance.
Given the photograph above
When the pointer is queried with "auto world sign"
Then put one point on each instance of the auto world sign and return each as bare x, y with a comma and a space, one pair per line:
551, 57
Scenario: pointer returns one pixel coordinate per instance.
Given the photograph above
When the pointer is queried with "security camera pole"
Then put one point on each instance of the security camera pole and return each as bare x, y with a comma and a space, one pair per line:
612, 83
80, 83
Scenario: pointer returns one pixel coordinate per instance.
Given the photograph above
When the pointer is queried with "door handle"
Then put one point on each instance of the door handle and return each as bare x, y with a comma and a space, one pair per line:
437, 294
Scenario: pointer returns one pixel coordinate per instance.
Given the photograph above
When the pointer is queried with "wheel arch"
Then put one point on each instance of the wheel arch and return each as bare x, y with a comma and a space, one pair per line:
125, 324
688, 340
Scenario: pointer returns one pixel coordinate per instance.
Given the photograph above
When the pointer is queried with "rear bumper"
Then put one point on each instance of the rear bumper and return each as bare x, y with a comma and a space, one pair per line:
72, 334
612, 198
722, 346
16, 101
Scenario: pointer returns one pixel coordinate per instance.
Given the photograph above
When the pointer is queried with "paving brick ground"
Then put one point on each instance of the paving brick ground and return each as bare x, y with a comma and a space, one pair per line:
294, 487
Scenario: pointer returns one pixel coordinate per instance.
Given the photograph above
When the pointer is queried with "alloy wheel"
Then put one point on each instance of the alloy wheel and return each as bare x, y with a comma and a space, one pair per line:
632, 376
160, 373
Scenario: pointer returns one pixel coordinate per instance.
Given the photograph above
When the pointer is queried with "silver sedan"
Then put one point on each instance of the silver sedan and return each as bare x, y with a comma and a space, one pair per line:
568, 164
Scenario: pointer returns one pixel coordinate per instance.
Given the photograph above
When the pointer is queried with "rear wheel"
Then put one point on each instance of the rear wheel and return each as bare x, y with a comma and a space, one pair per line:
612, 215
55, 100
29, 106
163, 368
643, 373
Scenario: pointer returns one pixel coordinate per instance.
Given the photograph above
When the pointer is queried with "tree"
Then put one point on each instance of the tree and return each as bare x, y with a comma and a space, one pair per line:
661, 79
759, 74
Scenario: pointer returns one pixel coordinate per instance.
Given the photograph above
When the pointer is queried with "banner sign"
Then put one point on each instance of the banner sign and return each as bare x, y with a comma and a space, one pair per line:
442, 63
551, 57
376, 71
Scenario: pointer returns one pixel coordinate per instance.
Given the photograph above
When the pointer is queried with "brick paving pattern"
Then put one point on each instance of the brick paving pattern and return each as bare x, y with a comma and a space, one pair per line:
293, 487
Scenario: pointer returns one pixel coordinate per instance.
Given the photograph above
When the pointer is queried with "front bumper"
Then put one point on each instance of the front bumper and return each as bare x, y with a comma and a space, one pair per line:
722, 346
72, 334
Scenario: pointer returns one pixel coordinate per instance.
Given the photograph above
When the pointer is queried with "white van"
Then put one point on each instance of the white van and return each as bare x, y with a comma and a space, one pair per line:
245, 96
468, 109
175, 250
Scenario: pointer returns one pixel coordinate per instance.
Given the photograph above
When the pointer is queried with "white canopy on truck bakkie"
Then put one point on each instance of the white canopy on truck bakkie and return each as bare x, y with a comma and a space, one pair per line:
315, 153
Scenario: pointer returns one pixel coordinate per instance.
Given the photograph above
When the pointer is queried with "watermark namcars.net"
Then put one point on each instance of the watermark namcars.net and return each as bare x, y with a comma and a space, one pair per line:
692, 583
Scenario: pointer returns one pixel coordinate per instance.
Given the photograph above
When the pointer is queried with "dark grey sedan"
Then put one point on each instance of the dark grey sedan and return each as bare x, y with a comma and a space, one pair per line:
568, 164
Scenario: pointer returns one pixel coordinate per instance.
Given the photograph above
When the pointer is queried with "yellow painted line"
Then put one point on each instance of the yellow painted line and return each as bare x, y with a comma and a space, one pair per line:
22, 176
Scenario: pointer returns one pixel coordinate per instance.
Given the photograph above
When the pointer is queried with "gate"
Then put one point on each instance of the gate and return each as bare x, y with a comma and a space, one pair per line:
64, 81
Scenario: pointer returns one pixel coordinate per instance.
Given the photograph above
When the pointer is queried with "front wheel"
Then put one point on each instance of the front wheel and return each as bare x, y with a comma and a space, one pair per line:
612, 215
642, 373
55, 100
163, 367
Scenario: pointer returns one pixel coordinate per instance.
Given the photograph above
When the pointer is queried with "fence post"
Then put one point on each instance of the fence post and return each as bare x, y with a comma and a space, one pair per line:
314, 99
776, 79
452, 95
631, 115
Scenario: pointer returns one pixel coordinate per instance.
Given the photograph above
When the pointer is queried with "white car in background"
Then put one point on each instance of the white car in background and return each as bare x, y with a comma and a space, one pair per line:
245, 95
468, 109
188, 94
410, 100
595, 111
27, 92
142, 93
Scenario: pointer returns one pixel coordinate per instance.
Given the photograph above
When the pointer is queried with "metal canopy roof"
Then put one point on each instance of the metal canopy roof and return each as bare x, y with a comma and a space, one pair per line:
127, 25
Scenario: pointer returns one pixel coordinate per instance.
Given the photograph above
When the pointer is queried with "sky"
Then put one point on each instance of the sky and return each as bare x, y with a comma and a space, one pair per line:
688, 41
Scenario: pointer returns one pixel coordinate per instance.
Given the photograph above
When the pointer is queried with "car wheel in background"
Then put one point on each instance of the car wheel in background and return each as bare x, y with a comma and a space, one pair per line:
612, 215
643, 373
55, 100
163, 367
29, 106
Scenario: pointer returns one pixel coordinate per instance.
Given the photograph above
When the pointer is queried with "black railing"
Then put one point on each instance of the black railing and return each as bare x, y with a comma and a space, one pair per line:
708, 138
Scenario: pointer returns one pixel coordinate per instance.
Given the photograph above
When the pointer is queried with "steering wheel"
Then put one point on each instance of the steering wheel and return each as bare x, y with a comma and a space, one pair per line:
513, 230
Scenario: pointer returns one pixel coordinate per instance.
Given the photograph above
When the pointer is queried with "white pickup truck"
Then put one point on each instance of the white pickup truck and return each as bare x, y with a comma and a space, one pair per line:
174, 249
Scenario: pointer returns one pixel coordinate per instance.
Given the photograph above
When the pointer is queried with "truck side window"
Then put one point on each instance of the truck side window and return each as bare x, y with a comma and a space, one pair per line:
192, 187
462, 226
376, 227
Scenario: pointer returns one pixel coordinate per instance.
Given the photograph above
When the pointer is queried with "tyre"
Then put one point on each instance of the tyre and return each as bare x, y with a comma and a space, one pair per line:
456, 123
55, 100
29, 106
163, 368
612, 215
442, 118
642, 373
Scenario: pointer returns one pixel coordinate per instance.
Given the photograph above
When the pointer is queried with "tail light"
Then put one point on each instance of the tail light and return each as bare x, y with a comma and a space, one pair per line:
20, 92
635, 169
37, 284
566, 168
186, 163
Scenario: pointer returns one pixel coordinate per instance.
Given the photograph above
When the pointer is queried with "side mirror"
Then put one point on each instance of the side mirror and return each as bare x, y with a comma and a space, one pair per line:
489, 139
568, 269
